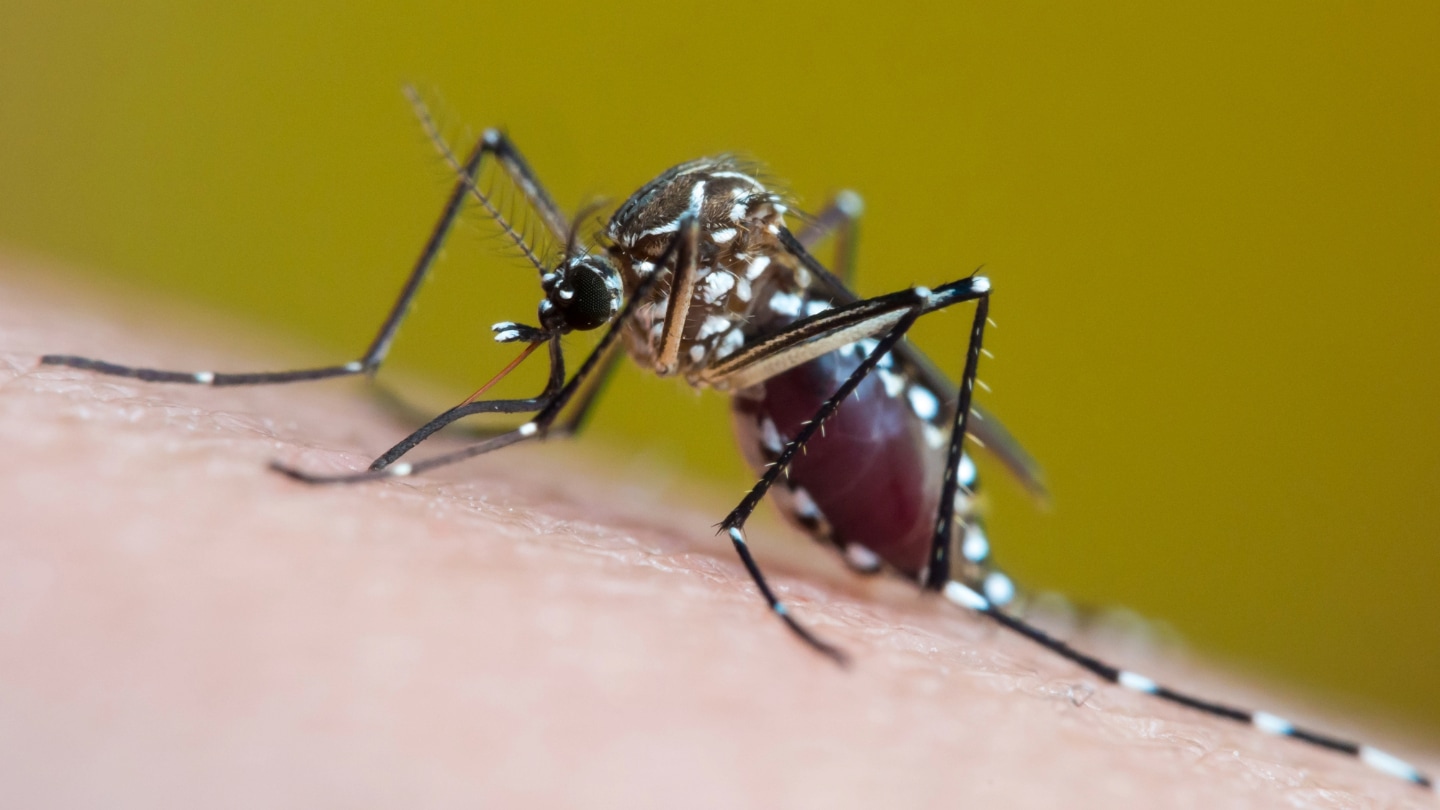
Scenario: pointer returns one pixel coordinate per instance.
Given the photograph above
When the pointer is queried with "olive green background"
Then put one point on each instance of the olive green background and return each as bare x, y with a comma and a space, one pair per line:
1214, 236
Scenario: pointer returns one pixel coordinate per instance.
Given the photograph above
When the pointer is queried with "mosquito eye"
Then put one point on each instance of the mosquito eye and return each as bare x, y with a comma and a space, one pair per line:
583, 294
592, 302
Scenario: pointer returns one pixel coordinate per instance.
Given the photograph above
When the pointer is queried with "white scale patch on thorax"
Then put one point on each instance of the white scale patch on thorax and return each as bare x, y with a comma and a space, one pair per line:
716, 285
732, 283
730, 344
713, 325
757, 267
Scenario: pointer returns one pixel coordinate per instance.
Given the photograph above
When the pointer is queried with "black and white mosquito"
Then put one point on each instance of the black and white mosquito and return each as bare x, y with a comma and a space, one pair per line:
855, 435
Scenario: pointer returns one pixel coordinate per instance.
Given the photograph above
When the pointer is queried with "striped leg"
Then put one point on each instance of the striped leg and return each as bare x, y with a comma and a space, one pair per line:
997, 591
958, 489
841, 218
1267, 723
937, 571
369, 362
897, 312
552, 387
734, 523
571, 424
583, 385
492, 144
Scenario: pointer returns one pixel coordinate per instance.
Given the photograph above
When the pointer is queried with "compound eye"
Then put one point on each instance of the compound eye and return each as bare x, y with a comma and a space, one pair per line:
592, 303
582, 294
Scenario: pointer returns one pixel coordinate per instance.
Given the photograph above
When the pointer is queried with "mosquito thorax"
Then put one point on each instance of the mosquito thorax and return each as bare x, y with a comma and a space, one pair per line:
741, 264
581, 293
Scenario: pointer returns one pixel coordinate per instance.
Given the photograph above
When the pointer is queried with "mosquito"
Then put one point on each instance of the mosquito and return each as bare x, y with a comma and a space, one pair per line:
855, 435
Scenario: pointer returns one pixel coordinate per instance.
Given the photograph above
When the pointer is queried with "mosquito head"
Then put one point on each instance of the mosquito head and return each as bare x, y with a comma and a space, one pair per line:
582, 293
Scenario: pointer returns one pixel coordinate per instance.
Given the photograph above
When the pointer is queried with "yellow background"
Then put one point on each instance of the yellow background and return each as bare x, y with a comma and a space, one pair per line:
1214, 234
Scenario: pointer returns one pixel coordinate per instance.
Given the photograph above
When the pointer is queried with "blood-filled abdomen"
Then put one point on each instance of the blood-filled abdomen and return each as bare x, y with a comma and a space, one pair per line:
871, 479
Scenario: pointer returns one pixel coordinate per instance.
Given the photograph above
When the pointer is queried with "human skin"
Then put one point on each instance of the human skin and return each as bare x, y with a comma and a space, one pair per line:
180, 626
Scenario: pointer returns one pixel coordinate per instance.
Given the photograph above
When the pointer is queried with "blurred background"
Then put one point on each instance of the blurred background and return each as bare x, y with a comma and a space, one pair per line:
1214, 235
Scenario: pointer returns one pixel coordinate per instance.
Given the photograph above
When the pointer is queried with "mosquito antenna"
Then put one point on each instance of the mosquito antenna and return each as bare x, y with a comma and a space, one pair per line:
432, 131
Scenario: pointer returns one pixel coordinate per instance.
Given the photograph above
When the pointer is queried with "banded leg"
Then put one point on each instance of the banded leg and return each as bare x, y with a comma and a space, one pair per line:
989, 605
374, 355
826, 327
552, 386
959, 486
540, 202
937, 572
895, 314
841, 217
516, 169
568, 426
1265, 722
543, 423
997, 440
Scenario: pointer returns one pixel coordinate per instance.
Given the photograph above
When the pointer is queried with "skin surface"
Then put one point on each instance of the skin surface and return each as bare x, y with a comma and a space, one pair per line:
181, 627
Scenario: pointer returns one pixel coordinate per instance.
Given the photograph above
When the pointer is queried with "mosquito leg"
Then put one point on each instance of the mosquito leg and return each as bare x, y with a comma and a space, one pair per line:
373, 356
959, 485
552, 386
586, 398
504, 153
988, 605
734, 523
975, 567
893, 314
1265, 722
818, 334
833, 284
549, 414
737, 537
998, 440
406, 412
682, 291
937, 572
841, 218
568, 426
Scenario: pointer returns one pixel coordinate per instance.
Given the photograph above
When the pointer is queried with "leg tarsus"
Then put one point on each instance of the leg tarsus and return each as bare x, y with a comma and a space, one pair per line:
553, 384
379, 346
937, 570
734, 523
538, 427
1265, 722
737, 538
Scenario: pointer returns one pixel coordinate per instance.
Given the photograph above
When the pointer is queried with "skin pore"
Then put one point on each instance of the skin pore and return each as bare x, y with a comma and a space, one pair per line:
183, 627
